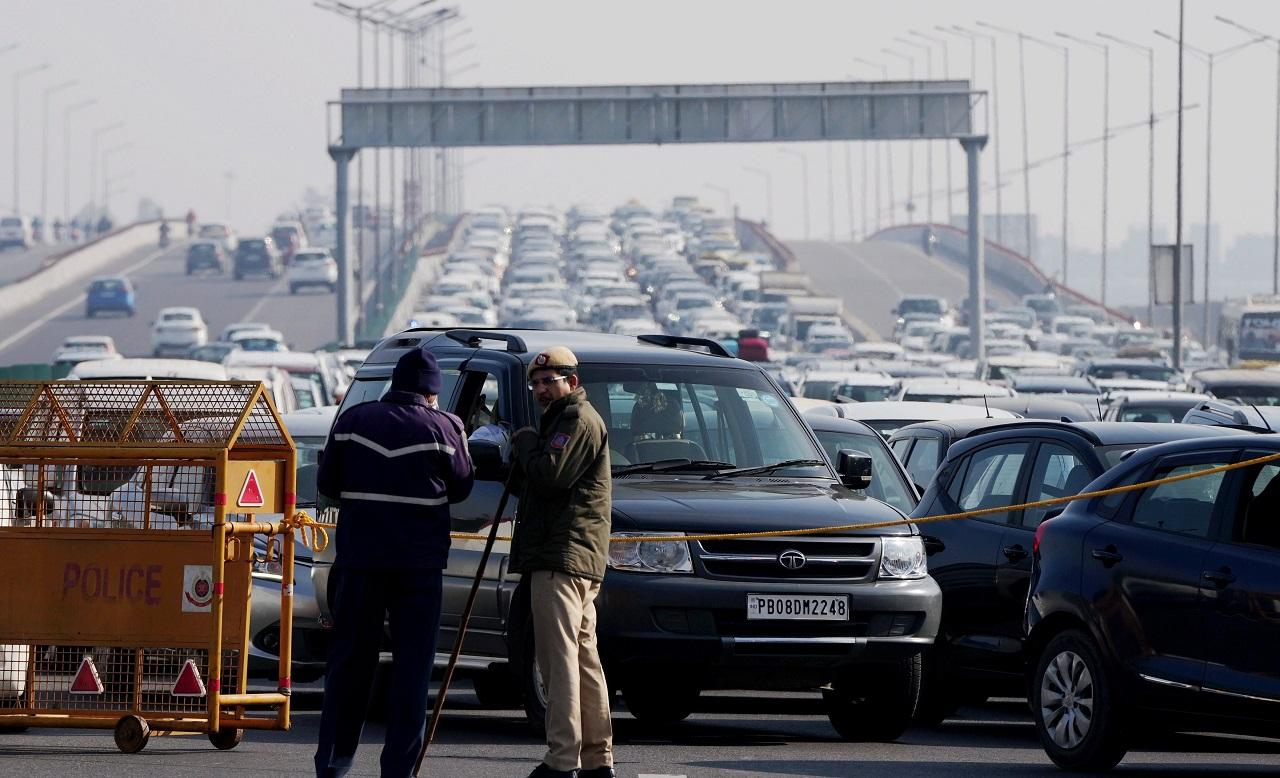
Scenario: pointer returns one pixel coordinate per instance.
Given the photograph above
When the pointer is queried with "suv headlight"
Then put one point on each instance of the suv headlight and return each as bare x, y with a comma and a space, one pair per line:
660, 556
902, 557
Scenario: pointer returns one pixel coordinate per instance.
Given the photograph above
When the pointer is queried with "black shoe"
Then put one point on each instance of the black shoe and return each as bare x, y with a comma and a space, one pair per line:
598, 772
542, 771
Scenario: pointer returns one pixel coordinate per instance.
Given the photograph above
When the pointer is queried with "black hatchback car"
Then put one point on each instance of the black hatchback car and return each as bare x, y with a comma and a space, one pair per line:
257, 256
983, 564
1159, 607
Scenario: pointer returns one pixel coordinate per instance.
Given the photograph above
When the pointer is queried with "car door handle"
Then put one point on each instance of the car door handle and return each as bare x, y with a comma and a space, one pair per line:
1014, 553
1108, 556
1219, 578
933, 545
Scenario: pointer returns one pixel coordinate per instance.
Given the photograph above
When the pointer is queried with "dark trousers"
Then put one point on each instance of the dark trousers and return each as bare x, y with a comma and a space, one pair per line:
361, 600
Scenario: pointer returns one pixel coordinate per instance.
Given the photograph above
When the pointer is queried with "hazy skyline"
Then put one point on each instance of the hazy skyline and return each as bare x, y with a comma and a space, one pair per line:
241, 86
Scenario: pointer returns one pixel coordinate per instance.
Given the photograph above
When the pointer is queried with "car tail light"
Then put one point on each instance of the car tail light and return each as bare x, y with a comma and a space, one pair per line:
1035, 543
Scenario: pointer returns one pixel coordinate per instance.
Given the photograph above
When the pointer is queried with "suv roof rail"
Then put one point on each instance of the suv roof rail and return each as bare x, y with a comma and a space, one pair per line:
1016, 424
677, 341
515, 344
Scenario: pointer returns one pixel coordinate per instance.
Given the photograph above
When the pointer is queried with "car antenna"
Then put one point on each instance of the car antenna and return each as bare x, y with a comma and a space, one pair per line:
1260, 416
1098, 401
986, 407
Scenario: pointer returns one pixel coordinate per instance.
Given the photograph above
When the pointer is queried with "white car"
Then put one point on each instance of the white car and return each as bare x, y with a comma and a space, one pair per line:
312, 267
177, 331
229, 331
79, 348
945, 390
222, 233
260, 340
15, 231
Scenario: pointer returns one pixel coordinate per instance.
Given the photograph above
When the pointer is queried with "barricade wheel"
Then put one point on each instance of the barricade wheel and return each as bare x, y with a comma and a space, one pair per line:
132, 734
226, 739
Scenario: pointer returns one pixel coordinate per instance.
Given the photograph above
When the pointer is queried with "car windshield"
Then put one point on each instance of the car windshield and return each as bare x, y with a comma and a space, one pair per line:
887, 482
309, 448
657, 413
818, 390
1132, 372
920, 305
9, 221
178, 317
1250, 395
864, 394
107, 286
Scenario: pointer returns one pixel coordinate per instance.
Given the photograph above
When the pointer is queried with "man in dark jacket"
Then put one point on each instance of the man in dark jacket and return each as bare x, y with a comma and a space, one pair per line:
394, 466
561, 546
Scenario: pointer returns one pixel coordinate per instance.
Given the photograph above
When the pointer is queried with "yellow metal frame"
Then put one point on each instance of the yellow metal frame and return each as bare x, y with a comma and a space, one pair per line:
231, 549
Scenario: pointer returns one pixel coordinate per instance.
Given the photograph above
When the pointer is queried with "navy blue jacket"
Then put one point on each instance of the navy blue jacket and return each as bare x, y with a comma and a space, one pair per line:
395, 466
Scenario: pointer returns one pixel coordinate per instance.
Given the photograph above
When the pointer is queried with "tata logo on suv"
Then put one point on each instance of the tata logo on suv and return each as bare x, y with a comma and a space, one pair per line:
792, 559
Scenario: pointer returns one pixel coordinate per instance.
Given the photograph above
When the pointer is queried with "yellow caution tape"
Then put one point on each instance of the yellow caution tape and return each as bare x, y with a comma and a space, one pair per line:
782, 533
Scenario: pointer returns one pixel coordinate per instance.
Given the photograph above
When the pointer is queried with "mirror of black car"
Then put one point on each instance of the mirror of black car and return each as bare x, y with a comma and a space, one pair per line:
487, 458
854, 468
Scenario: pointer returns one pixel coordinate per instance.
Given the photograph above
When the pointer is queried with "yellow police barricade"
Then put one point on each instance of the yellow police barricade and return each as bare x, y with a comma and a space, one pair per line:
126, 546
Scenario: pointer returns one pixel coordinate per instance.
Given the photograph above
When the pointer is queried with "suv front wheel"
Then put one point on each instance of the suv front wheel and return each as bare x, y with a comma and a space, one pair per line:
874, 704
660, 702
1077, 715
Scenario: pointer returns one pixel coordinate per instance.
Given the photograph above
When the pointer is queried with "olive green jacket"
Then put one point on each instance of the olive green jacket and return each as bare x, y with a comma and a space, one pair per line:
562, 522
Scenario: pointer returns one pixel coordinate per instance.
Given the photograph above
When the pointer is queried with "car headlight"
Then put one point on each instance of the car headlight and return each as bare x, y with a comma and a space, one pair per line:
902, 557
661, 556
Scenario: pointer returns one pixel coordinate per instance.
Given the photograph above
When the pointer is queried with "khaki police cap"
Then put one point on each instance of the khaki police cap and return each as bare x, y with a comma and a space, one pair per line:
554, 358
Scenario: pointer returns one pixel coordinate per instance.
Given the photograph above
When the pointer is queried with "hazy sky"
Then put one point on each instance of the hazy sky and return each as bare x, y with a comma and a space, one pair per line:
207, 87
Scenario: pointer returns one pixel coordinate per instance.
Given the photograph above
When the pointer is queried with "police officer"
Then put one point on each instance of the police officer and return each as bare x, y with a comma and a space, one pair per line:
394, 466
560, 547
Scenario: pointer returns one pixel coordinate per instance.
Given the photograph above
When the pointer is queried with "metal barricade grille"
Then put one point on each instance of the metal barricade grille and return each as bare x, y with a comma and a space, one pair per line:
44, 679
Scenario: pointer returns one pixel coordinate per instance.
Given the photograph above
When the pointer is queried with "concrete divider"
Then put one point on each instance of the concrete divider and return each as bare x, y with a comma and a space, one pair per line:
77, 265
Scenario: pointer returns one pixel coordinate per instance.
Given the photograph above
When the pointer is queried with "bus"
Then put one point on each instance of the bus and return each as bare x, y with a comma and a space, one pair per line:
1249, 330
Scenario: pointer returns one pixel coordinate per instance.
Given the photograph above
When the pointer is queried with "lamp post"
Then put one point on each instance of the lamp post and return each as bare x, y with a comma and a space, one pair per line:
17, 125
1026, 163
1275, 235
1106, 142
804, 182
93, 162
44, 151
995, 113
106, 176
1151, 152
928, 145
725, 193
1209, 58
881, 152
1066, 151
109, 188
946, 74
66, 154
911, 149
768, 190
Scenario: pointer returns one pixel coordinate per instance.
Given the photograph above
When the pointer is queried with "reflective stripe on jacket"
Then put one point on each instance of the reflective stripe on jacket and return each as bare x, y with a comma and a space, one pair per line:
395, 466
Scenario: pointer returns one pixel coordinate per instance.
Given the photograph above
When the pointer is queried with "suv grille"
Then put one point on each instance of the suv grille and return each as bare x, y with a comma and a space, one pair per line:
819, 559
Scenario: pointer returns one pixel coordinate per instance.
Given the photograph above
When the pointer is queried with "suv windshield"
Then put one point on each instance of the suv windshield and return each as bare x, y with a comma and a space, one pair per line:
920, 305
656, 413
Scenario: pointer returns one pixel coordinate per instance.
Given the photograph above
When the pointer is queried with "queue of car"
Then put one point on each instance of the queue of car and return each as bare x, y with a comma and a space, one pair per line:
1083, 608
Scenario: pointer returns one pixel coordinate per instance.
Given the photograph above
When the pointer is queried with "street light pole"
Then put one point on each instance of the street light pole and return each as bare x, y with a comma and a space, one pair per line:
724, 192
804, 178
93, 164
106, 176
1151, 156
946, 74
995, 113
881, 149
911, 149
44, 152
1275, 234
928, 145
1026, 161
1106, 142
768, 190
66, 155
17, 125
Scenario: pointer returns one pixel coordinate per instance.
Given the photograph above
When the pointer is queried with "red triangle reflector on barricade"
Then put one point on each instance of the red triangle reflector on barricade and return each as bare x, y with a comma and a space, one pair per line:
251, 492
86, 680
188, 683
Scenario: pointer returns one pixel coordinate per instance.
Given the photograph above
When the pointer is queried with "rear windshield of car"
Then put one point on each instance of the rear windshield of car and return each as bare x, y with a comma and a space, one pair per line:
313, 257
254, 244
10, 222
1249, 395
1132, 372
203, 248
923, 305
108, 286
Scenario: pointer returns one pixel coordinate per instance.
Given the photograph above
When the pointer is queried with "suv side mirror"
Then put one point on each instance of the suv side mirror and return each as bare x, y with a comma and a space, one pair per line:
854, 468
487, 458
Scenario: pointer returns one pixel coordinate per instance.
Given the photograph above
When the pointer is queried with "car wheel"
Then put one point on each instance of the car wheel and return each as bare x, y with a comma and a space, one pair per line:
532, 689
1078, 718
939, 700
874, 703
660, 701
496, 688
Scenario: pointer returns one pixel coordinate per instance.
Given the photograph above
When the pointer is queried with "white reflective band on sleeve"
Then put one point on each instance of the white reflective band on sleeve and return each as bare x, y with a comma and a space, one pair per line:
395, 452
395, 498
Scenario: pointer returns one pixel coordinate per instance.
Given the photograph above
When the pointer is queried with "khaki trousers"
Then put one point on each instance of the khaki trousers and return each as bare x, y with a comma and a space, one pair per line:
579, 731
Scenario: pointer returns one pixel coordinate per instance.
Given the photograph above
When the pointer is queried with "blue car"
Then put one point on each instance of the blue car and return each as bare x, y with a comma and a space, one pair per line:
110, 293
